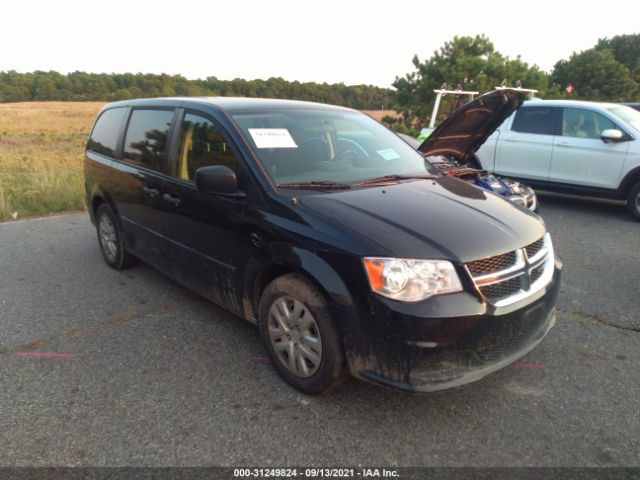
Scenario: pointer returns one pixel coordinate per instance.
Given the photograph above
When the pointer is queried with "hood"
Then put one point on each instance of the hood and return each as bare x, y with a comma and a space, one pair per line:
443, 218
468, 127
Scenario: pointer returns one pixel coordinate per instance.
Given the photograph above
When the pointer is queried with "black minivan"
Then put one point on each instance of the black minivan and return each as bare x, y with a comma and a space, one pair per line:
344, 245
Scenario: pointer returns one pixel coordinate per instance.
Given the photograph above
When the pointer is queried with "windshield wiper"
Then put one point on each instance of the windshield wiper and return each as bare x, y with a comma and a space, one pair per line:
391, 178
320, 184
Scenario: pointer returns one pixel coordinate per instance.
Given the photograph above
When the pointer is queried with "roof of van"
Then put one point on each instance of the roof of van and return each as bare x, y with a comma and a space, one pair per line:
228, 104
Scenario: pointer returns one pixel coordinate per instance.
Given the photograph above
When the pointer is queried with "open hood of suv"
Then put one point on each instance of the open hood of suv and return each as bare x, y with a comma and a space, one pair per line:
468, 127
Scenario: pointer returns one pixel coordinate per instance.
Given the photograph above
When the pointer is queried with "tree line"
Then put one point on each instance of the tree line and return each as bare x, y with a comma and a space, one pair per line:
610, 71
82, 86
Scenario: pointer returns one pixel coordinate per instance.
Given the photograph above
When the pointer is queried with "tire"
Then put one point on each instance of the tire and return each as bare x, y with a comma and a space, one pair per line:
111, 239
633, 200
293, 312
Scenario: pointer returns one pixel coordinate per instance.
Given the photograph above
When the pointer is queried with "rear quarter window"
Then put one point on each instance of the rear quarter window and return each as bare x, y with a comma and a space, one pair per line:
104, 137
540, 120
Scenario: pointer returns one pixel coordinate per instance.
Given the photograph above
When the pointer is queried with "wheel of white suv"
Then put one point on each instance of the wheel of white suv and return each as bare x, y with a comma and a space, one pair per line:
633, 200
300, 335
111, 239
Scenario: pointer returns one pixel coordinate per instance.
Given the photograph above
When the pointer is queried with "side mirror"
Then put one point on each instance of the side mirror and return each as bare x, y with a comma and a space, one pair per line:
612, 135
217, 179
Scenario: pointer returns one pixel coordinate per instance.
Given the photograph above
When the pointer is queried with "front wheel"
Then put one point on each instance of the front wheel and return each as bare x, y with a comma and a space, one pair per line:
111, 239
300, 335
633, 200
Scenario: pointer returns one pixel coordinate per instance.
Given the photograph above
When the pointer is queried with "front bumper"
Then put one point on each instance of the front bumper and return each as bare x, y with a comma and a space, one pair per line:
422, 351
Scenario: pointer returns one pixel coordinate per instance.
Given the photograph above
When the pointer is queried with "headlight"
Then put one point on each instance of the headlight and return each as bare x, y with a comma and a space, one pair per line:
411, 280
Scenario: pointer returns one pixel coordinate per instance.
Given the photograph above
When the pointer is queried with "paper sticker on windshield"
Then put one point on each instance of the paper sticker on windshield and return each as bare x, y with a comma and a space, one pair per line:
272, 138
388, 154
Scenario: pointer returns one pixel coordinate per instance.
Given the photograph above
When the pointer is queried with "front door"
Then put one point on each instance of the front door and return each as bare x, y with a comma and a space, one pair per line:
204, 229
580, 157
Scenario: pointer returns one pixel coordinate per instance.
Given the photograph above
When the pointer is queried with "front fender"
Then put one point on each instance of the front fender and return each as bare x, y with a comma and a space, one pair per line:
284, 258
486, 154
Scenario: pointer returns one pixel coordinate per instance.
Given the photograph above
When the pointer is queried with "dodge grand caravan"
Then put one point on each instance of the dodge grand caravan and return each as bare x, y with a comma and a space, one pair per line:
348, 250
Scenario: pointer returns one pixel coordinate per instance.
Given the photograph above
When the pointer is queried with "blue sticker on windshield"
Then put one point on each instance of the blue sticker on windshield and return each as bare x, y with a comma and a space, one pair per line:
388, 154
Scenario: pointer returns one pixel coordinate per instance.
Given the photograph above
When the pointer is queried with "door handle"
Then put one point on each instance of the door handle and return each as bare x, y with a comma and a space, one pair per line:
171, 199
152, 192
564, 144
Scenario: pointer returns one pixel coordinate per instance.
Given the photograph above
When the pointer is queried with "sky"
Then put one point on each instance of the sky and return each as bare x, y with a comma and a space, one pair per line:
349, 41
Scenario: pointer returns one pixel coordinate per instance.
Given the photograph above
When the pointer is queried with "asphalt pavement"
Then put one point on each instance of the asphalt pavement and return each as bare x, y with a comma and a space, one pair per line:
139, 371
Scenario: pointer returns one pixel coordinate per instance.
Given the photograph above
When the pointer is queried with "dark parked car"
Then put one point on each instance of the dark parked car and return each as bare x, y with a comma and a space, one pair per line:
350, 252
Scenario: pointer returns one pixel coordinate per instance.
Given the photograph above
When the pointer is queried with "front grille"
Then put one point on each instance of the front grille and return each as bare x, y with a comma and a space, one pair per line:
492, 264
500, 290
536, 273
508, 277
534, 248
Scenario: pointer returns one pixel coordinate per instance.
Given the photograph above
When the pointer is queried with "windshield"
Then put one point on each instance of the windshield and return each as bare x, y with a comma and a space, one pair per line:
325, 146
627, 114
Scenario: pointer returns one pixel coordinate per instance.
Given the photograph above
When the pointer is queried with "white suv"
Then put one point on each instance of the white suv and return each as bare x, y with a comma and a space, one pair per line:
568, 146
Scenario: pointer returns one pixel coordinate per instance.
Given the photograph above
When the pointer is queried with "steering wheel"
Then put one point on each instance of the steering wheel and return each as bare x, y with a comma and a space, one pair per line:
344, 156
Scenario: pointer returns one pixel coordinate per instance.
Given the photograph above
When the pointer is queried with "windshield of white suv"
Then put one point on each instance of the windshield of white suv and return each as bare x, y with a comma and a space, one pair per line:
627, 114
326, 148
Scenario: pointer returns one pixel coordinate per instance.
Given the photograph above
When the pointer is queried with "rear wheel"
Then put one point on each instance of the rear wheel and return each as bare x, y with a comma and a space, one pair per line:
300, 334
633, 200
111, 239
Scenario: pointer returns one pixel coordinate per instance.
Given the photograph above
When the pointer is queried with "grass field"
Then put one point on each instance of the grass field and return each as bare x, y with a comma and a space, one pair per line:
378, 114
41, 149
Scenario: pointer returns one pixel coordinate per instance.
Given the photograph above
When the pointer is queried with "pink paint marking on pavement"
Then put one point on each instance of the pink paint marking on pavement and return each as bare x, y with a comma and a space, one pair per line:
45, 354
259, 358
529, 365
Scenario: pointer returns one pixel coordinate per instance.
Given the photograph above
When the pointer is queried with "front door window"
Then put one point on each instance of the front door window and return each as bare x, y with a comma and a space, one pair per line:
202, 144
581, 123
